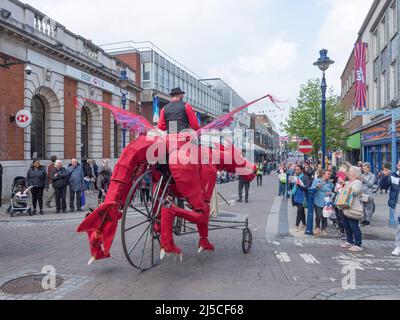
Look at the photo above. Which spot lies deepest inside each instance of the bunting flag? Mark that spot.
(156, 109)
(227, 119)
(360, 56)
(128, 120)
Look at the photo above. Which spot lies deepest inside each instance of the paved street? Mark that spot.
(282, 264)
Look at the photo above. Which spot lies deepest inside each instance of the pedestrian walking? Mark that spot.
(76, 185)
(282, 180)
(260, 175)
(52, 191)
(299, 195)
(246, 185)
(104, 179)
(289, 180)
(324, 188)
(368, 179)
(1, 182)
(351, 225)
(37, 179)
(392, 182)
(59, 175)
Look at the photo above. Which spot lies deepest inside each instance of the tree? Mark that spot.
(305, 121)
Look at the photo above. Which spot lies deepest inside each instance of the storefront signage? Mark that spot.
(378, 132)
(23, 119)
(87, 78)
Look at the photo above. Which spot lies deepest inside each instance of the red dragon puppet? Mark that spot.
(194, 175)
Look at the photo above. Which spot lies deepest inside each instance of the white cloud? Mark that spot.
(278, 57)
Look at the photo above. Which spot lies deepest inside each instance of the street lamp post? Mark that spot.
(124, 81)
(323, 64)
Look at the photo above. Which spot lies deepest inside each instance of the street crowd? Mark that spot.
(356, 184)
(56, 179)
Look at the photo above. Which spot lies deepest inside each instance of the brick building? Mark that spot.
(63, 65)
(353, 124)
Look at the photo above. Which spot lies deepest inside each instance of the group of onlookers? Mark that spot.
(295, 182)
(78, 178)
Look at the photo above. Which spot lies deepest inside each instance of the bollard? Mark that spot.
(310, 216)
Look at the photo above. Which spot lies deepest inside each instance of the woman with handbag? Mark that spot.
(353, 214)
(299, 195)
(324, 188)
(282, 180)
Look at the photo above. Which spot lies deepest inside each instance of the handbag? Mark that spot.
(354, 214)
(283, 178)
(345, 197)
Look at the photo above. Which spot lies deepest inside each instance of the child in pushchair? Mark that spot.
(19, 202)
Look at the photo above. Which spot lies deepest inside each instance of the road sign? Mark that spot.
(305, 146)
(23, 119)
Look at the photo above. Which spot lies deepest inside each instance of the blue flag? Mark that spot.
(156, 109)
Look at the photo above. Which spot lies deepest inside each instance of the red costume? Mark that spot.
(194, 182)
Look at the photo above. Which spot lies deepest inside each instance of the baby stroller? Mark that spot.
(19, 202)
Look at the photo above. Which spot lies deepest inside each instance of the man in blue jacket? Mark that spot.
(392, 181)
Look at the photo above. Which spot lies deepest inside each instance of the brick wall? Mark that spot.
(106, 127)
(349, 99)
(70, 91)
(133, 61)
(11, 101)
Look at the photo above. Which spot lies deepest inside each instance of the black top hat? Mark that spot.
(176, 91)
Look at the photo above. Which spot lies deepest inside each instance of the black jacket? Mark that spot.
(59, 177)
(87, 169)
(37, 178)
(386, 183)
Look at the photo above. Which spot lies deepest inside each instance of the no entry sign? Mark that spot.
(23, 119)
(305, 146)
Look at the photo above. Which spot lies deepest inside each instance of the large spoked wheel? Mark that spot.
(140, 241)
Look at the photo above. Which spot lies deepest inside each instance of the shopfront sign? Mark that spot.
(23, 119)
(379, 132)
(89, 79)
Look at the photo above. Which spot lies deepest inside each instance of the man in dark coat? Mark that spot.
(392, 181)
(177, 115)
(59, 176)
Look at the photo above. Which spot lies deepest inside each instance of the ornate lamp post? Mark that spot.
(124, 82)
(323, 64)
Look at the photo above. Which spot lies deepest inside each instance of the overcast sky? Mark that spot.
(256, 46)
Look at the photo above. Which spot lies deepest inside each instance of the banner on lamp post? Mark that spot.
(156, 109)
(360, 56)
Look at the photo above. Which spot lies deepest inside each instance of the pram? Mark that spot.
(19, 202)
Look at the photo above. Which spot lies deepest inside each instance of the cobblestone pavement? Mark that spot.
(282, 264)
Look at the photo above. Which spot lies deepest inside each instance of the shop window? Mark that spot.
(38, 134)
(84, 134)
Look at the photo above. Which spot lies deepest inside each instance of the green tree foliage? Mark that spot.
(306, 119)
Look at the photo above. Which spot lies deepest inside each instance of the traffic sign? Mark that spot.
(23, 119)
(305, 146)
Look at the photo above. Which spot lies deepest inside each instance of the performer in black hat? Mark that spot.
(178, 112)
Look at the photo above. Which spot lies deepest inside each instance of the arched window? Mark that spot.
(84, 134)
(38, 134)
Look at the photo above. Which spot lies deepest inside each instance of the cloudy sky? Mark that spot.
(256, 46)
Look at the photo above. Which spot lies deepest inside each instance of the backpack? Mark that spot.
(283, 178)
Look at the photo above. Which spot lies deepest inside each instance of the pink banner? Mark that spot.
(360, 56)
